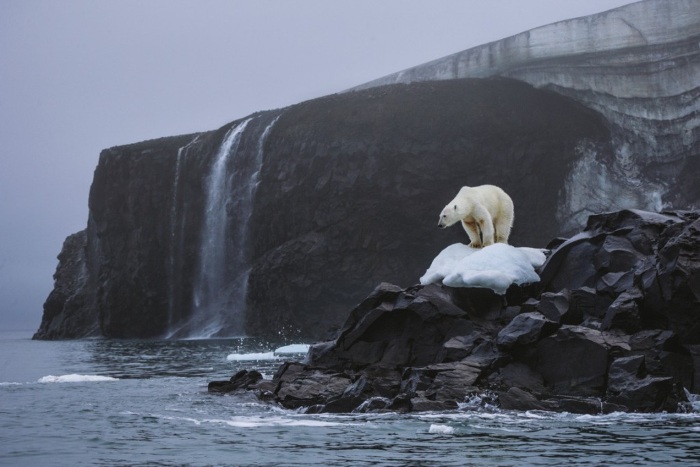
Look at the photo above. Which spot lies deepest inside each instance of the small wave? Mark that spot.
(75, 378)
(436, 429)
(10, 384)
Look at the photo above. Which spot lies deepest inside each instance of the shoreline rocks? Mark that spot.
(613, 325)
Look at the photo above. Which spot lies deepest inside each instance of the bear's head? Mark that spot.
(450, 215)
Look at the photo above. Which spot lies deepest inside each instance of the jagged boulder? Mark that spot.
(639, 269)
(241, 380)
(413, 327)
(524, 329)
(574, 361)
(630, 386)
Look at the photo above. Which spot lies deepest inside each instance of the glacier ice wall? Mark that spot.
(639, 66)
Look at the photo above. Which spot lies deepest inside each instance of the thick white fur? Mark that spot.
(486, 213)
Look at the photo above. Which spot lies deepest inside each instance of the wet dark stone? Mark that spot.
(518, 399)
(556, 307)
(630, 387)
(244, 379)
(527, 328)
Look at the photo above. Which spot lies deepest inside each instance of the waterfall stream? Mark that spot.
(219, 285)
(210, 295)
(241, 229)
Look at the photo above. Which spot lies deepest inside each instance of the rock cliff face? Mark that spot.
(613, 325)
(321, 201)
(69, 311)
(280, 222)
(352, 198)
(639, 66)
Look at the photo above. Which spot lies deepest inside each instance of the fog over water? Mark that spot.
(78, 76)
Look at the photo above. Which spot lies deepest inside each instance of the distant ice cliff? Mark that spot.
(639, 66)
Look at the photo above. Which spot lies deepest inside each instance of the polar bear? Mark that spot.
(486, 213)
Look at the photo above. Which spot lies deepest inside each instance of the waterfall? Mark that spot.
(211, 285)
(242, 259)
(219, 283)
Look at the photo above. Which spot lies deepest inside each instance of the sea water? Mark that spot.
(124, 402)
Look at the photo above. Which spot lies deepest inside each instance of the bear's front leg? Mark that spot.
(472, 229)
(485, 224)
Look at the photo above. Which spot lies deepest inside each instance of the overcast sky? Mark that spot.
(78, 76)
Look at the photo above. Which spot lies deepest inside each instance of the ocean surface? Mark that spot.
(123, 402)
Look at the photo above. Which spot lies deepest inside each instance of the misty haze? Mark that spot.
(387, 232)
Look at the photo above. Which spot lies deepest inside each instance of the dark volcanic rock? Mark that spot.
(622, 346)
(644, 268)
(415, 327)
(629, 386)
(574, 361)
(69, 311)
(524, 329)
(241, 380)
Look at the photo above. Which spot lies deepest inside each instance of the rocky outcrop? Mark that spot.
(613, 325)
(68, 311)
(638, 66)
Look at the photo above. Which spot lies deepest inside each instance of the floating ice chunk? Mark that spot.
(436, 429)
(292, 349)
(74, 378)
(246, 357)
(494, 267)
(272, 355)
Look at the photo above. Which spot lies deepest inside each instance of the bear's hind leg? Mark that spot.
(502, 229)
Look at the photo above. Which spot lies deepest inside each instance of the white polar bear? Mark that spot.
(486, 213)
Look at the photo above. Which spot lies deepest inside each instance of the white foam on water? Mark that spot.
(251, 421)
(248, 357)
(256, 422)
(292, 349)
(694, 400)
(437, 429)
(10, 384)
(75, 378)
